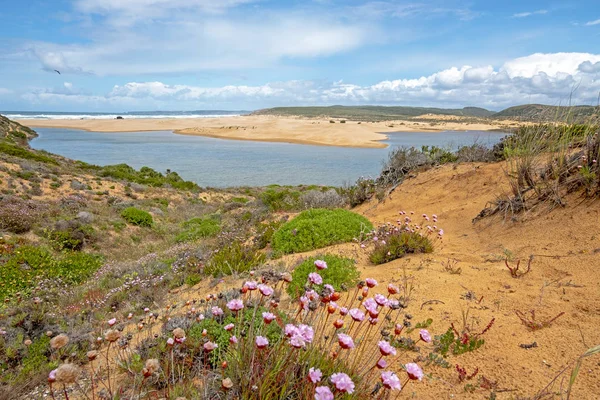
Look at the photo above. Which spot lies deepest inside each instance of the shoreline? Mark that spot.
(308, 131)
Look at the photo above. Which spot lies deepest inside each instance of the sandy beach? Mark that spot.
(276, 129)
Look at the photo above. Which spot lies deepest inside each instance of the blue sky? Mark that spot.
(121, 55)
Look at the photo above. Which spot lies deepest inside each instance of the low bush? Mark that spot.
(198, 228)
(233, 259)
(317, 228)
(147, 176)
(398, 244)
(341, 273)
(322, 199)
(280, 199)
(137, 217)
(265, 231)
(18, 215)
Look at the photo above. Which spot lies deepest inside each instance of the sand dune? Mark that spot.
(273, 129)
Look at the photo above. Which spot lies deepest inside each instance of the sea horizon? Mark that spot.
(126, 114)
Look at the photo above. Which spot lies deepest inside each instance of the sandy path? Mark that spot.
(271, 129)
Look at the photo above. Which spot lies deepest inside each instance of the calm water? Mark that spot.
(222, 163)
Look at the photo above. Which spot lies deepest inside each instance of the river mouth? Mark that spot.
(222, 163)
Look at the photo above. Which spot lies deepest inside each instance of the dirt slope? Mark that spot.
(564, 278)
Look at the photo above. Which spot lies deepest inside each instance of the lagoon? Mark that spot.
(214, 162)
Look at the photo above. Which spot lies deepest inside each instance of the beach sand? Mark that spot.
(275, 129)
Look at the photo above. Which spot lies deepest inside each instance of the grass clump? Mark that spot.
(280, 199)
(397, 245)
(137, 217)
(341, 273)
(234, 259)
(198, 228)
(317, 228)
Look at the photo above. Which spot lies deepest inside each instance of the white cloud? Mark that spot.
(212, 43)
(539, 78)
(530, 13)
(4, 91)
(591, 23)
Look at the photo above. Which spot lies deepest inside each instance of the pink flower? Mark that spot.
(304, 302)
(414, 371)
(381, 364)
(52, 376)
(210, 346)
(290, 330)
(342, 382)
(345, 341)
(371, 282)
(111, 322)
(393, 304)
(268, 317)
(233, 340)
(146, 310)
(234, 305)
(315, 278)
(250, 285)
(386, 348)
(320, 264)
(265, 290)
(314, 375)
(357, 315)
(425, 336)
(329, 288)
(229, 327)
(297, 341)
(373, 321)
(393, 289)
(306, 332)
(216, 311)
(323, 393)
(441, 232)
(375, 238)
(381, 299)
(370, 304)
(390, 380)
(262, 342)
(170, 341)
(343, 311)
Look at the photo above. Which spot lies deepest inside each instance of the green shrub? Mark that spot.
(20, 152)
(281, 199)
(198, 228)
(18, 215)
(317, 228)
(193, 279)
(264, 232)
(340, 272)
(399, 244)
(147, 176)
(233, 259)
(138, 217)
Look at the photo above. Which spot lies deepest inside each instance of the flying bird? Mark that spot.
(57, 71)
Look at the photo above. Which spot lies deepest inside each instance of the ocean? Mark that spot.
(129, 114)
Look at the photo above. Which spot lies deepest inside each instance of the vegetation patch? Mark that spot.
(137, 217)
(233, 259)
(147, 176)
(21, 152)
(341, 273)
(199, 228)
(399, 244)
(317, 228)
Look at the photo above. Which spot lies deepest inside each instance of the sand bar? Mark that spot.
(272, 128)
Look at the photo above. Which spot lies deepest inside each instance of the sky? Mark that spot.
(128, 55)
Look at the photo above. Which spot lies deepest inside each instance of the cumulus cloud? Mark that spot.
(539, 78)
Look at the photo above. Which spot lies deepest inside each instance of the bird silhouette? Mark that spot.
(57, 71)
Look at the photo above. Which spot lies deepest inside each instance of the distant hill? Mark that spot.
(372, 113)
(543, 113)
